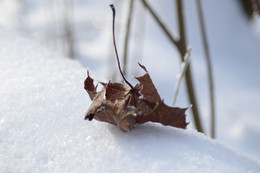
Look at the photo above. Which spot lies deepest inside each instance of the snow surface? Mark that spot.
(42, 128)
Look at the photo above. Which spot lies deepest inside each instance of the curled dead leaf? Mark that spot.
(89, 87)
(125, 107)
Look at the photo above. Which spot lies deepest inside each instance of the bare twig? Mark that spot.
(114, 42)
(163, 27)
(129, 19)
(209, 68)
(181, 27)
(181, 46)
(188, 77)
(184, 67)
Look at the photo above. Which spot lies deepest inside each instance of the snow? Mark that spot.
(43, 103)
(42, 128)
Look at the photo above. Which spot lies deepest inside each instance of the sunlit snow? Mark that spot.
(42, 128)
(42, 100)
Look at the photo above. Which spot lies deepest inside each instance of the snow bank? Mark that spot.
(42, 128)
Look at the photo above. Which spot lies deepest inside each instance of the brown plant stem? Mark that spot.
(163, 27)
(114, 42)
(188, 76)
(181, 46)
(209, 68)
(128, 25)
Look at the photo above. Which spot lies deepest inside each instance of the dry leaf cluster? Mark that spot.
(125, 107)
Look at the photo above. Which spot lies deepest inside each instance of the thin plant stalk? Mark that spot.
(162, 26)
(181, 46)
(184, 67)
(68, 28)
(138, 36)
(116, 52)
(188, 76)
(209, 68)
(127, 35)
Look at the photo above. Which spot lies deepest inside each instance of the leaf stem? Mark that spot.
(114, 41)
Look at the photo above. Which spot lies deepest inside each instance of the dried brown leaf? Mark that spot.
(116, 91)
(89, 87)
(110, 105)
(165, 115)
(124, 107)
